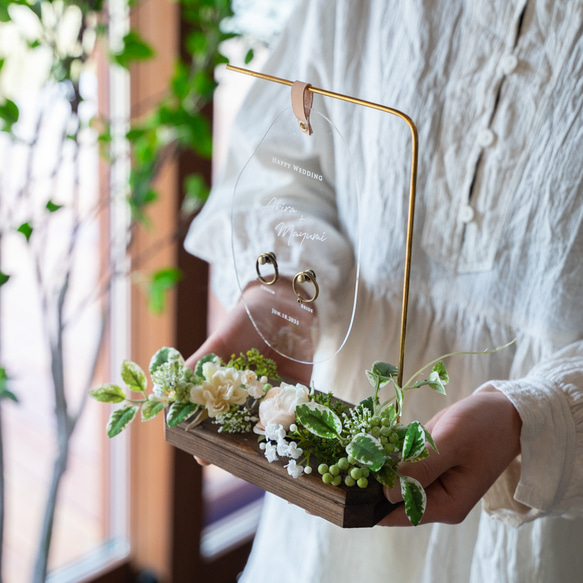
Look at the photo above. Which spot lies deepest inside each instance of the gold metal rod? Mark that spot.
(412, 187)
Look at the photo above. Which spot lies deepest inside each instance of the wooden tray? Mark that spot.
(240, 455)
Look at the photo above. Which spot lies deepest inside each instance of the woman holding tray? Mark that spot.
(495, 91)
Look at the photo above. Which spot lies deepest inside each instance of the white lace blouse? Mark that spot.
(495, 88)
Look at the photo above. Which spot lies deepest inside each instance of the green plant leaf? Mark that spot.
(319, 420)
(9, 114)
(52, 207)
(206, 358)
(161, 282)
(162, 356)
(26, 230)
(133, 376)
(390, 413)
(399, 403)
(381, 373)
(196, 193)
(120, 419)
(367, 403)
(108, 393)
(4, 392)
(386, 476)
(3, 278)
(150, 409)
(436, 380)
(368, 450)
(135, 48)
(179, 412)
(414, 498)
(414, 442)
(249, 56)
(429, 439)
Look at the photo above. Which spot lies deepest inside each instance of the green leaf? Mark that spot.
(414, 442)
(108, 393)
(26, 230)
(367, 403)
(381, 373)
(249, 56)
(4, 392)
(319, 420)
(161, 282)
(120, 419)
(368, 450)
(52, 207)
(3, 278)
(164, 355)
(399, 403)
(196, 193)
(206, 358)
(179, 412)
(386, 476)
(134, 49)
(390, 413)
(150, 409)
(437, 379)
(429, 439)
(9, 114)
(133, 376)
(414, 498)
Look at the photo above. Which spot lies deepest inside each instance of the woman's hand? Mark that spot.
(477, 439)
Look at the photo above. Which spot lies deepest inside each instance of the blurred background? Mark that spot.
(113, 118)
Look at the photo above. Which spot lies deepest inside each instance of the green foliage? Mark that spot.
(367, 450)
(255, 361)
(319, 420)
(26, 229)
(414, 442)
(3, 278)
(133, 376)
(120, 419)
(163, 356)
(53, 207)
(9, 115)
(161, 282)
(5, 393)
(135, 48)
(108, 393)
(179, 412)
(150, 409)
(414, 498)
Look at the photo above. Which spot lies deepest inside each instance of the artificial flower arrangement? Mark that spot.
(311, 431)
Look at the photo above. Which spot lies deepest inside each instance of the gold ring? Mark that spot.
(262, 260)
(303, 277)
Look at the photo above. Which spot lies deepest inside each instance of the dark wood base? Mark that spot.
(240, 455)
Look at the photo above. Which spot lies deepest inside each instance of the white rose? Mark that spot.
(279, 405)
(221, 389)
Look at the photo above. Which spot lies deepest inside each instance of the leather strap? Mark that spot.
(302, 104)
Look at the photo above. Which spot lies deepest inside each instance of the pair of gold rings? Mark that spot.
(299, 279)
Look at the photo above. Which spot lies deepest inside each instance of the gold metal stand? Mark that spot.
(412, 187)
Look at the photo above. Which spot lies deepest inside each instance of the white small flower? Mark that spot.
(293, 427)
(283, 448)
(275, 432)
(262, 445)
(308, 470)
(294, 470)
(271, 452)
(294, 451)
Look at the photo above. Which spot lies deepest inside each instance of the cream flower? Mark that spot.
(221, 389)
(253, 385)
(279, 405)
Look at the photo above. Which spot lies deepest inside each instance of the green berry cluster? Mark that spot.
(345, 469)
